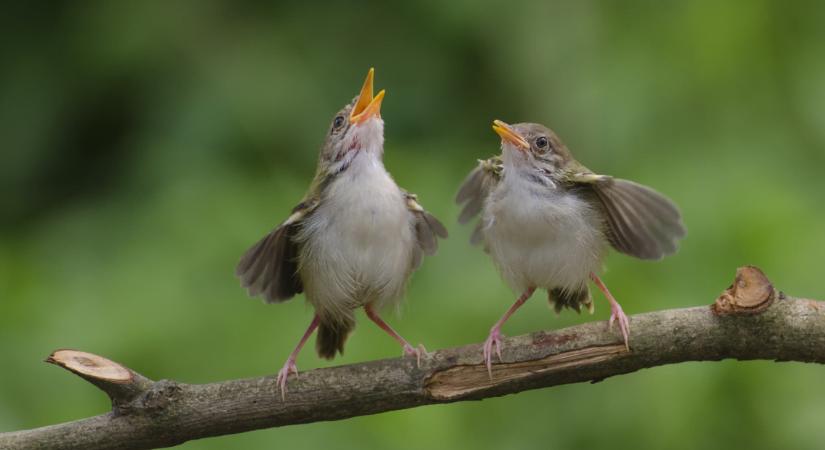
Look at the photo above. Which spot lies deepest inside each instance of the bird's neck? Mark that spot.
(364, 190)
(365, 165)
(365, 141)
(528, 177)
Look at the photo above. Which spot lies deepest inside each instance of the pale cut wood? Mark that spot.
(90, 365)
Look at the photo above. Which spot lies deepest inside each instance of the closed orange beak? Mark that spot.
(509, 135)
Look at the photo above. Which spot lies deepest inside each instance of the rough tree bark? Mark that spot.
(750, 320)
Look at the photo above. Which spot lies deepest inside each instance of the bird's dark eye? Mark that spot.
(338, 122)
(541, 142)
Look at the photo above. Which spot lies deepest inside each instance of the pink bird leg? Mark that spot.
(409, 350)
(289, 365)
(494, 338)
(616, 312)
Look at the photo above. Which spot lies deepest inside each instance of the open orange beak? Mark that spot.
(509, 135)
(367, 106)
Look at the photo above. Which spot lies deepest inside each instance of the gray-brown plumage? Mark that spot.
(352, 242)
(547, 220)
(640, 221)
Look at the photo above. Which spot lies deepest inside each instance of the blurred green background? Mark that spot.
(146, 145)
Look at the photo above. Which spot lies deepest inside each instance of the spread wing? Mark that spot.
(475, 189)
(427, 229)
(270, 267)
(640, 221)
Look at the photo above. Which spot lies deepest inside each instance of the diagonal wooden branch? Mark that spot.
(748, 321)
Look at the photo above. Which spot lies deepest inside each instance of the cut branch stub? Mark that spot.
(90, 365)
(121, 384)
(750, 293)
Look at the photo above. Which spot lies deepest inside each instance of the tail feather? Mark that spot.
(332, 336)
(561, 298)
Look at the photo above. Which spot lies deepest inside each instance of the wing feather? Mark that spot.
(474, 192)
(641, 222)
(270, 267)
(427, 229)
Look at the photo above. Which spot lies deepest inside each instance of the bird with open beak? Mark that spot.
(352, 242)
(547, 221)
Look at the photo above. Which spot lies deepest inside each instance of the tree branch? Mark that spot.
(748, 321)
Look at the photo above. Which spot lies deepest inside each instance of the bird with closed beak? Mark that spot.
(352, 242)
(547, 221)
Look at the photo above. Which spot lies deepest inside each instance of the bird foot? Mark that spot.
(283, 374)
(418, 352)
(617, 315)
(494, 339)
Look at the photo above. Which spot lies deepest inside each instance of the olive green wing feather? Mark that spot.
(475, 189)
(270, 267)
(640, 221)
(427, 229)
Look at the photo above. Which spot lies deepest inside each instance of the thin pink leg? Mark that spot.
(290, 366)
(494, 338)
(616, 312)
(409, 350)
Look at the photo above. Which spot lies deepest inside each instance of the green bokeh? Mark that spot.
(145, 145)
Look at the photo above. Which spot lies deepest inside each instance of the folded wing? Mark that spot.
(427, 229)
